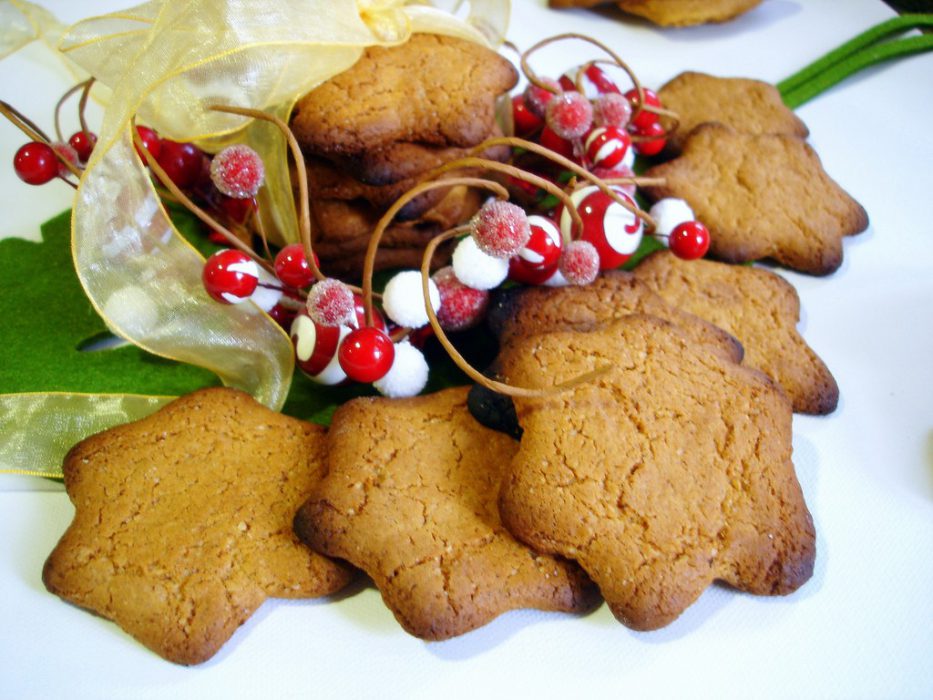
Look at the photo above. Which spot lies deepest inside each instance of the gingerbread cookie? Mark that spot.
(669, 472)
(672, 13)
(182, 523)
(523, 311)
(432, 89)
(410, 498)
(759, 308)
(762, 196)
(749, 106)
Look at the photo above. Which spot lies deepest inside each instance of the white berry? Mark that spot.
(669, 213)
(476, 269)
(408, 374)
(403, 299)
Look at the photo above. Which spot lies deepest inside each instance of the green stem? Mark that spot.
(857, 53)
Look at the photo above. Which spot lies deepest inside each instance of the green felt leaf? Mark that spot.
(47, 318)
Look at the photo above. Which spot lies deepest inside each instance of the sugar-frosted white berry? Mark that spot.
(669, 213)
(403, 299)
(476, 269)
(408, 374)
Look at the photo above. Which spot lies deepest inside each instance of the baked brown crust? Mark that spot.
(762, 196)
(748, 106)
(670, 471)
(182, 523)
(683, 13)
(613, 295)
(759, 308)
(410, 498)
(434, 90)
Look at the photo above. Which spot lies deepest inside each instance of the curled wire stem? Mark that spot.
(185, 201)
(459, 360)
(577, 170)
(85, 88)
(304, 213)
(537, 181)
(369, 261)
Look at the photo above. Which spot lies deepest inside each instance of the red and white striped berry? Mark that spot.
(608, 147)
(230, 276)
(237, 171)
(593, 79)
(614, 230)
(536, 262)
(569, 115)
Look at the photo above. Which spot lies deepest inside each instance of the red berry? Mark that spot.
(366, 354)
(524, 121)
(65, 153)
(150, 140)
(292, 268)
(181, 162)
(233, 209)
(592, 79)
(537, 98)
(237, 171)
(35, 163)
(500, 228)
(612, 109)
(537, 261)
(643, 117)
(689, 240)
(613, 230)
(550, 140)
(619, 171)
(330, 303)
(462, 307)
(83, 143)
(651, 147)
(569, 115)
(607, 147)
(579, 263)
(230, 276)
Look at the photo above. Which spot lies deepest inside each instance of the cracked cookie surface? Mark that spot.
(410, 498)
(182, 523)
(670, 471)
(759, 308)
(762, 196)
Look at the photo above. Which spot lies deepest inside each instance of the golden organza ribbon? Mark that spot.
(167, 62)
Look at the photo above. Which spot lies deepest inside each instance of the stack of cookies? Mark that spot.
(372, 132)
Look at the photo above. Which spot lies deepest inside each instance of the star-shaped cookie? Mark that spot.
(183, 522)
(670, 471)
(762, 196)
(759, 308)
(410, 498)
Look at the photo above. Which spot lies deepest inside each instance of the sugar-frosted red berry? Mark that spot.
(237, 171)
(537, 98)
(461, 307)
(579, 263)
(500, 228)
(330, 303)
(35, 163)
(523, 119)
(182, 162)
(83, 143)
(612, 109)
(642, 117)
(366, 354)
(613, 230)
(651, 146)
(689, 240)
(569, 115)
(230, 276)
(561, 146)
(607, 147)
(292, 268)
(150, 140)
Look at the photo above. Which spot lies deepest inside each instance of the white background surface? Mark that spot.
(862, 627)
